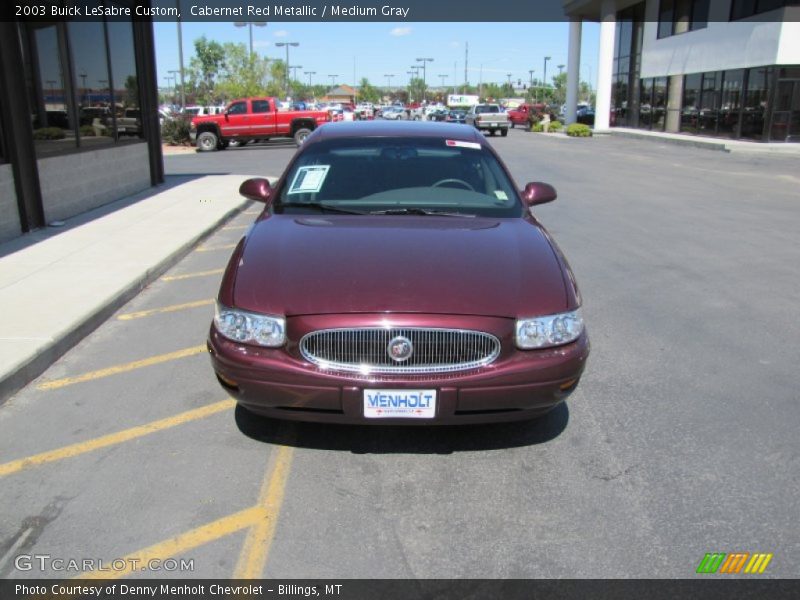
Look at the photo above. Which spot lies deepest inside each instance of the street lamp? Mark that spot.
(295, 67)
(442, 77)
(83, 77)
(51, 83)
(509, 79)
(250, 27)
(333, 79)
(544, 79)
(424, 62)
(309, 73)
(286, 45)
(388, 79)
(560, 69)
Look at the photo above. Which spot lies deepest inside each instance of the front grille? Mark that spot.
(365, 350)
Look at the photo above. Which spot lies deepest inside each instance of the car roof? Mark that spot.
(405, 129)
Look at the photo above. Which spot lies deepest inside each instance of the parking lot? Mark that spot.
(681, 439)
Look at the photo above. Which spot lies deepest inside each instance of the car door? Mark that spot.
(263, 118)
(237, 120)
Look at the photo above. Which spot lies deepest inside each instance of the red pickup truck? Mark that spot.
(253, 119)
(519, 115)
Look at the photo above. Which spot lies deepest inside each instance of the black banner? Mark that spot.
(401, 589)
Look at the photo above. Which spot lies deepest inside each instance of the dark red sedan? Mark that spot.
(397, 276)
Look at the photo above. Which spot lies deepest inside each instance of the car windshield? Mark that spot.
(487, 108)
(374, 174)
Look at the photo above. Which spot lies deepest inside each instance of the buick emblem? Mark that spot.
(400, 349)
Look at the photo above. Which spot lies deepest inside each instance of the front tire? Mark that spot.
(207, 141)
(300, 135)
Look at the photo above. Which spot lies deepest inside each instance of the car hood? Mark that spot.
(295, 265)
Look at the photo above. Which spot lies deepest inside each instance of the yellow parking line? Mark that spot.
(178, 544)
(261, 518)
(164, 309)
(190, 275)
(123, 368)
(256, 546)
(115, 438)
(212, 248)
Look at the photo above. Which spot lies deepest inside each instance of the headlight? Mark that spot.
(250, 328)
(552, 330)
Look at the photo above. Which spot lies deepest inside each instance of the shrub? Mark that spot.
(556, 125)
(175, 131)
(579, 130)
(49, 133)
(537, 127)
(87, 131)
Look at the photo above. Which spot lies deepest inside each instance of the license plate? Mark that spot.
(403, 404)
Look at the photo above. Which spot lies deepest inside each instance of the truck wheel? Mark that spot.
(223, 145)
(236, 143)
(504, 132)
(207, 141)
(491, 132)
(300, 135)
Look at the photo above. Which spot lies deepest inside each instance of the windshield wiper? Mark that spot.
(419, 211)
(319, 206)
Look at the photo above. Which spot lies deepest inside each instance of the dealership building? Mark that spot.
(78, 118)
(722, 68)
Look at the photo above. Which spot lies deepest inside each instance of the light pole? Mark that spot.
(250, 27)
(333, 79)
(442, 77)
(388, 79)
(286, 45)
(104, 83)
(509, 79)
(424, 62)
(560, 69)
(544, 78)
(51, 83)
(309, 73)
(83, 77)
(295, 67)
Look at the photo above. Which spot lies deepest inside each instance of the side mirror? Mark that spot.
(538, 192)
(257, 189)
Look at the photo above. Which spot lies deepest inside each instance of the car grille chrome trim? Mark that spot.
(364, 349)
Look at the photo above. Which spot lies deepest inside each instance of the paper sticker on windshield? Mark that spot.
(460, 144)
(501, 195)
(309, 180)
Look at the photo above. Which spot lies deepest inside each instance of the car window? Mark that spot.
(370, 174)
(260, 106)
(237, 108)
(487, 108)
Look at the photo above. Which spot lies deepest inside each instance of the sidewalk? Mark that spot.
(711, 143)
(58, 284)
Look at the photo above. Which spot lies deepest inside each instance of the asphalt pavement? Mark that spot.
(680, 440)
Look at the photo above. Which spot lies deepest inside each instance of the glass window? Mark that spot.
(625, 37)
(659, 103)
(699, 14)
(260, 106)
(127, 102)
(52, 117)
(755, 103)
(731, 102)
(690, 107)
(92, 85)
(237, 108)
(666, 15)
(709, 103)
(741, 9)
(646, 103)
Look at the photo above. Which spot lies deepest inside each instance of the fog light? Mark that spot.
(567, 384)
(227, 382)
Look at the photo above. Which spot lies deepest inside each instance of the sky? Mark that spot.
(373, 50)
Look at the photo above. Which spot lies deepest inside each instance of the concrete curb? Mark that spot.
(24, 373)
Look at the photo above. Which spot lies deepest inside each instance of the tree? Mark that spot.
(367, 92)
(246, 74)
(131, 91)
(205, 67)
(416, 90)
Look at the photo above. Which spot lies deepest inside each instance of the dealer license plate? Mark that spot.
(403, 404)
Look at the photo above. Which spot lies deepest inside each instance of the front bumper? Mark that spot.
(281, 384)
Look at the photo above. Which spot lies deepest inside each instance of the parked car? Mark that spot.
(521, 114)
(394, 113)
(585, 115)
(397, 275)
(253, 119)
(488, 117)
(130, 122)
(457, 116)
